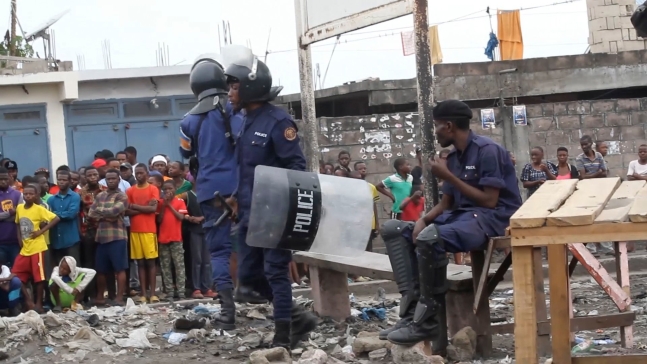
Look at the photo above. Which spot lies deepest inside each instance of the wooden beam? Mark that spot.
(548, 198)
(617, 209)
(622, 275)
(585, 204)
(585, 323)
(610, 359)
(595, 233)
(543, 340)
(525, 331)
(600, 275)
(559, 305)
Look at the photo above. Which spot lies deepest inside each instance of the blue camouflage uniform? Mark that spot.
(269, 138)
(468, 227)
(217, 172)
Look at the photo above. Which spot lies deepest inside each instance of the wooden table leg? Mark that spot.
(330, 293)
(622, 276)
(525, 319)
(483, 334)
(559, 306)
(543, 341)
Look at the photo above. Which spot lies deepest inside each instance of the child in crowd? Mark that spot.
(200, 256)
(330, 168)
(68, 283)
(638, 168)
(399, 186)
(156, 180)
(143, 199)
(341, 172)
(172, 211)
(344, 160)
(10, 287)
(30, 263)
(413, 206)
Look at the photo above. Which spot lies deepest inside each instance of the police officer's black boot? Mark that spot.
(282, 334)
(432, 265)
(226, 319)
(404, 263)
(248, 295)
(302, 323)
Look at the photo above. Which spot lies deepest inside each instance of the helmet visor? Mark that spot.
(237, 55)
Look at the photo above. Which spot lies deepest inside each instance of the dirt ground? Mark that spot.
(255, 327)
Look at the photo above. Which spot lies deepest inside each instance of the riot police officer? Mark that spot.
(208, 137)
(269, 137)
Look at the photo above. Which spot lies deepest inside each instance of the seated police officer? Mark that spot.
(207, 137)
(480, 194)
(269, 138)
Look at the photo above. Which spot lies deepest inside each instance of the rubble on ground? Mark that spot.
(149, 334)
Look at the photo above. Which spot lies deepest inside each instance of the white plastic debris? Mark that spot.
(87, 340)
(33, 319)
(107, 351)
(176, 338)
(136, 339)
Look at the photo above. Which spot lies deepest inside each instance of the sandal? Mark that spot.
(154, 299)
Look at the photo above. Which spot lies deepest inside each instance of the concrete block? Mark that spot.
(632, 34)
(627, 158)
(602, 106)
(549, 109)
(448, 69)
(560, 109)
(625, 34)
(609, 133)
(560, 62)
(579, 133)
(537, 138)
(629, 57)
(533, 111)
(634, 45)
(568, 122)
(638, 117)
(582, 61)
(613, 161)
(599, 24)
(627, 146)
(616, 21)
(600, 48)
(593, 121)
(643, 103)
(542, 124)
(632, 132)
(628, 104)
(579, 107)
(617, 119)
(610, 35)
(557, 137)
(607, 10)
(613, 47)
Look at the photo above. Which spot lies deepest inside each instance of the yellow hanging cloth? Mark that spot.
(509, 34)
(434, 46)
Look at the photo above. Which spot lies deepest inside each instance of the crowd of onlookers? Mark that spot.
(100, 234)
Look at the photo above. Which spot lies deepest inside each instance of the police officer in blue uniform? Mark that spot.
(207, 136)
(269, 137)
(480, 194)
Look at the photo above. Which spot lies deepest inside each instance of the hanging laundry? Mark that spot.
(509, 34)
(408, 43)
(434, 45)
(491, 45)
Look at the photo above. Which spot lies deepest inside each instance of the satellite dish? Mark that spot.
(40, 31)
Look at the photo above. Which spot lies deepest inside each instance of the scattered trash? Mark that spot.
(93, 320)
(49, 350)
(583, 347)
(136, 339)
(87, 340)
(367, 313)
(176, 338)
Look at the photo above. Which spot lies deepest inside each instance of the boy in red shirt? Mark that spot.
(172, 212)
(413, 206)
(142, 207)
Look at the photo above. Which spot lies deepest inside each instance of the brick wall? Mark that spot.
(610, 28)
(619, 122)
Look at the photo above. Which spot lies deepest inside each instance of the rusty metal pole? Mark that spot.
(425, 95)
(308, 115)
(14, 20)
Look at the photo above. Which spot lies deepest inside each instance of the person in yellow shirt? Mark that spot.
(33, 221)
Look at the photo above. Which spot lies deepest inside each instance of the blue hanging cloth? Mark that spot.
(491, 45)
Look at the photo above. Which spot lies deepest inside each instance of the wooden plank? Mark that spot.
(638, 211)
(586, 203)
(617, 209)
(610, 359)
(525, 330)
(622, 273)
(330, 293)
(548, 198)
(584, 323)
(543, 340)
(482, 280)
(559, 305)
(482, 315)
(601, 276)
(561, 235)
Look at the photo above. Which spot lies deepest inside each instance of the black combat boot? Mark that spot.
(282, 334)
(248, 295)
(302, 323)
(432, 265)
(226, 319)
(402, 255)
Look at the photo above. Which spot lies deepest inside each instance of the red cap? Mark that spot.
(99, 163)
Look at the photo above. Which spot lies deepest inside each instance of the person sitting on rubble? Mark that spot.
(10, 287)
(480, 194)
(68, 283)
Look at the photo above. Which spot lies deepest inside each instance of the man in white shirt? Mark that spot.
(638, 168)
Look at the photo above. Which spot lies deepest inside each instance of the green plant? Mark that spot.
(23, 49)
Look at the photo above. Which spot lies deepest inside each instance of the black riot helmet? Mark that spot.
(252, 74)
(639, 20)
(207, 78)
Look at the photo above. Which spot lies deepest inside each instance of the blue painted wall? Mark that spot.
(114, 124)
(23, 137)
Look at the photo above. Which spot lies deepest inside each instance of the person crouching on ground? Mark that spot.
(68, 283)
(10, 287)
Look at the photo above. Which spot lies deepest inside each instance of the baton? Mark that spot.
(221, 202)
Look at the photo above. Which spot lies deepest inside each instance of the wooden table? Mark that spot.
(570, 212)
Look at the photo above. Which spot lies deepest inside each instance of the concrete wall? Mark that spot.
(134, 88)
(610, 28)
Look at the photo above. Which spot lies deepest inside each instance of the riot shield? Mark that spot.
(306, 211)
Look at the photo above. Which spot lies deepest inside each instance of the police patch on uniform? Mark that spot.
(290, 134)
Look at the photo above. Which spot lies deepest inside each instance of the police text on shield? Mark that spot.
(305, 206)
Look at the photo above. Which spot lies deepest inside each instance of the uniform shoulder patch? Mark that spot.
(290, 133)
